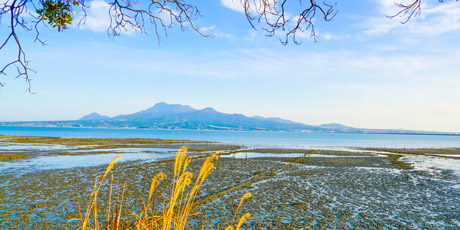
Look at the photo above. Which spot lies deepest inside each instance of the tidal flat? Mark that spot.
(291, 188)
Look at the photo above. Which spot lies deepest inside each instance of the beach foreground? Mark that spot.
(44, 179)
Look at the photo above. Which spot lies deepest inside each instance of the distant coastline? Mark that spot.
(38, 124)
(164, 116)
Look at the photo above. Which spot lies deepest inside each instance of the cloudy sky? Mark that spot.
(365, 70)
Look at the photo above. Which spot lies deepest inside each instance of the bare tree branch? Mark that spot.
(273, 16)
(125, 16)
(135, 15)
(15, 10)
(409, 10)
(131, 15)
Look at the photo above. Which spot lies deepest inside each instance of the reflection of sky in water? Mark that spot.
(127, 150)
(258, 155)
(431, 164)
(73, 161)
(250, 139)
(21, 146)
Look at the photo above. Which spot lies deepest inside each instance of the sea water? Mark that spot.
(252, 138)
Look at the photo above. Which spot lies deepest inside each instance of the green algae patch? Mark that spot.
(213, 147)
(8, 157)
(91, 141)
(273, 150)
(395, 160)
(438, 152)
(67, 154)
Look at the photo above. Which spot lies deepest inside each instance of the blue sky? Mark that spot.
(365, 70)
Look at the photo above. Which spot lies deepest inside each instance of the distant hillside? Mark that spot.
(176, 116)
(94, 116)
(335, 126)
(159, 110)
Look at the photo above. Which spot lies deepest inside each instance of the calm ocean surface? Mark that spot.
(251, 139)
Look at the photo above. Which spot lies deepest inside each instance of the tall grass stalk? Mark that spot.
(177, 207)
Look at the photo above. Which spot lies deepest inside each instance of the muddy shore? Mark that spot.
(291, 188)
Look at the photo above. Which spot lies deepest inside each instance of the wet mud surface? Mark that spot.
(292, 189)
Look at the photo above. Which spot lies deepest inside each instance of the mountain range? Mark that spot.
(175, 116)
(172, 116)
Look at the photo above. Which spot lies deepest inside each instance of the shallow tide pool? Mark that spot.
(242, 155)
(432, 164)
(74, 161)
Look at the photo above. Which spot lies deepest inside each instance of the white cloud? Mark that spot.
(330, 36)
(435, 19)
(166, 17)
(322, 35)
(215, 32)
(438, 20)
(235, 5)
(98, 18)
(206, 30)
(380, 26)
(254, 5)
